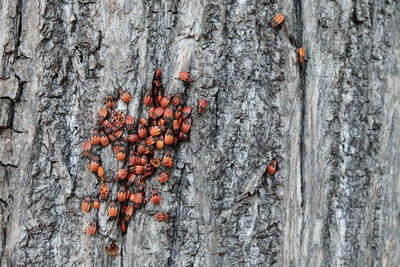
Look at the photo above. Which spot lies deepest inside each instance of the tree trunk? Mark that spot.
(331, 123)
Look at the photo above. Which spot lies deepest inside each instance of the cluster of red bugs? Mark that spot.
(277, 20)
(135, 142)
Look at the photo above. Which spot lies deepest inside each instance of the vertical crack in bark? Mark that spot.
(171, 261)
(18, 28)
(299, 30)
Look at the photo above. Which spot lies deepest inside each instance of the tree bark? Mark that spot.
(331, 122)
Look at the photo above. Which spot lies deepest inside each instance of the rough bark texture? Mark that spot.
(333, 124)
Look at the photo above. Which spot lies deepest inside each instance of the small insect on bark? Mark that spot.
(104, 190)
(121, 155)
(272, 167)
(278, 19)
(92, 228)
(94, 137)
(112, 250)
(184, 76)
(155, 196)
(96, 203)
(163, 177)
(129, 122)
(122, 194)
(203, 104)
(110, 102)
(94, 164)
(86, 204)
(162, 216)
(302, 54)
(112, 210)
(148, 98)
(168, 161)
(125, 96)
(86, 148)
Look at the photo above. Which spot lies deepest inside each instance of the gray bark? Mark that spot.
(332, 123)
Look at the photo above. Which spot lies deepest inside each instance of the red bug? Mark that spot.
(105, 123)
(158, 112)
(96, 203)
(141, 149)
(143, 160)
(144, 122)
(169, 137)
(125, 96)
(111, 250)
(131, 179)
(176, 140)
(278, 19)
(159, 97)
(155, 162)
(184, 76)
(149, 170)
(178, 113)
(168, 114)
(186, 112)
(104, 190)
(110, 102)
(302, 54)
(128, 213)
(176, 125)
(163, 177)
(142, 131)
(156, 130)
(121, 155)
(102, 114)
(155, 196)
(129, 122)
(157, 83)
(148, 98)
(160, 142)
(162, 122)
(151, 140)
(86, 204)
(168, 161)
(134, 158)
(141, 186)
(165, 101)
(86, 146)
(101, 173)
(177, 99)
(203, 104)
(162, 216)
(94, 137)
(116, 146)
(131, 138)
(94, 164)
(121, 174)
(112, 210)
(151, 112)
(186, 125)
(138, 169)
(272, 167)
(92, 228)
(137, 199)
(122, 194)
(118, 118)
(182, 136)
(157, 75)
(115, 135)
(124, 227)
(103, 139)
